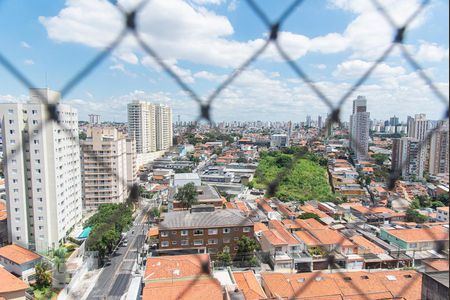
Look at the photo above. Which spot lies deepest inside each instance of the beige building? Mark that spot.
(150, 125)
(108, 166)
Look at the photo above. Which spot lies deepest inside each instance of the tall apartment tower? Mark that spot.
(308, 121)
(408, 157)
(106, 166)
(164, 130)
(150, 125)
(439, 148)
(359, 128)
(42, 171)
(418, 127)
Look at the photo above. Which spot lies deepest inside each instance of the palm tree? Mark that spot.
(43, 276)
(59, 257)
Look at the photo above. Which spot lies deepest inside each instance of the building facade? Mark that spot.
(439, 148)
(150, 125)
(203, 231)
(359, 128)
(108, 169)
(279, 141)
(42, 171)
(408, 157)
(418, 127)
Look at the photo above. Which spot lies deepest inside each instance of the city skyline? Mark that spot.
(335, 57)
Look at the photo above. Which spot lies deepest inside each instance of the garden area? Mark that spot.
(107, 226)
(307, 179)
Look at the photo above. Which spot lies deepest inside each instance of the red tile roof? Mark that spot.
(201, 289)
(18, 254)
(10, 283)
(250, 286)
(437, 233)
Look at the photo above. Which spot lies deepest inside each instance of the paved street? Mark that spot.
(114, 280)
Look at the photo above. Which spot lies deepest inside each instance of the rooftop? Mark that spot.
(10, 283)
(217, 218)
(348, 285)
(248, 283)
(437, 233)
(176, 267)
(201, 289)
(18, 254)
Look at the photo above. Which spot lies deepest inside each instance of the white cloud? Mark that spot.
(210, 76)
(185, 74)
(13, 99)
(320, 66)
(121, 68)
(203, 2)
(431, 52)
(28, 62)
(24, 44)
(233, 5)
(356, 68)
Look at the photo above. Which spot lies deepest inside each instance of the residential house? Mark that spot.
(249, 285)
(348, 285)
(442, 214)
(11, 287)
(418, 239)
(19, 261)
(181, 277)
(203, 229)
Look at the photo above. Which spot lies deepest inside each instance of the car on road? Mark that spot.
(125, 243)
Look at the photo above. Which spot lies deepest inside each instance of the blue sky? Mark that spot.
(203, 40)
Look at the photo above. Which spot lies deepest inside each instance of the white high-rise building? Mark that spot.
(163, 128)
(418, 127)
(150, 125)
(107, 169)
(42, 171)
(359, 128)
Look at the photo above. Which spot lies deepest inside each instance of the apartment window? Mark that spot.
(41, 227)
(16, 209)
(40, 218)
(38, 161)
(14, 180)
(12, 131)
(174, 242)
(164, 244)
(174, 233)
(236, 238)
(17, 228)
(36, 142)
(164, 234)
(15, 190)
(18, 238)
(212, 231)
(184, 232)
(11, 121)
(12, 142)
(198, 232)
(247, 229)
(35, 122)
(213, 242)
(10, 111)
(38, 190)
(34, 112)
(226, 230)
(198, 242)
(413, 245)
(226, 240)
(236, 229)
(184, 243)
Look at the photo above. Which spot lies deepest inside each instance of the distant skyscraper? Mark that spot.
(359, 128)
(319, 122)
(394, 121)
(150, 125)
(439, 149)
(418, 127)
(308, 121)
(408, 157)
(42, 171)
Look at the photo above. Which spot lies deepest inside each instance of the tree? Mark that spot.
(43, 276)
(380, 158)
(225, 257)
(59, 257)
(187, 195)
(82, 136)
(246, 248)
(413, 215)
(308, 215)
